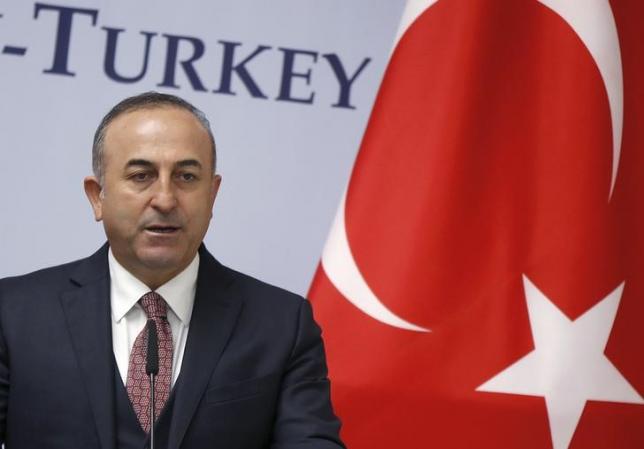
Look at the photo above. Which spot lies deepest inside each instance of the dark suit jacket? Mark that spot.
(253, 373)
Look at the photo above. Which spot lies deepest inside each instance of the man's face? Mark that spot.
(158, 192)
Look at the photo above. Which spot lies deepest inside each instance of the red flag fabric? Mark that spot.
(483, 283)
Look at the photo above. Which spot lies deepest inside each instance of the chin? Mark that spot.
(162, 259)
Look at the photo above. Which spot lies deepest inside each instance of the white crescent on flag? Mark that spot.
(413, 9)
(343, 272)
(594, 23)
(337, 259)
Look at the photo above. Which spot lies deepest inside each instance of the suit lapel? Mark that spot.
(214, 315)
(87, 310)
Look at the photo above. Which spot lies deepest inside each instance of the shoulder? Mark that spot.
(265, 301)
(49, 281)
(34, 295)
(273, 312)
(252, 291)
(252, 287)
(31, 284)
(270, 316)
(40, 277)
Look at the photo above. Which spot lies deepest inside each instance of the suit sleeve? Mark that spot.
(305, 418)
(4, 380)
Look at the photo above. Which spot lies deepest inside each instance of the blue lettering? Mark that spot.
(228, 67)
(63, 34)
(288, 74)
(344, 81)
(109, 64)
(171, 62)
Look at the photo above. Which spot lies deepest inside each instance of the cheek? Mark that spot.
(199, 213)
(120, 213)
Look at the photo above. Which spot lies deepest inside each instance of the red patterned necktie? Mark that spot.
(138, 383)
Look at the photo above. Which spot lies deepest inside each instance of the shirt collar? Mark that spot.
(178, 292)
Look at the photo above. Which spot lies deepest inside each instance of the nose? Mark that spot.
(164, 197)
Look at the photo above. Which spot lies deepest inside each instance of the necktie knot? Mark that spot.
(153, 305)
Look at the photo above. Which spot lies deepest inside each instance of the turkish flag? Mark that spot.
(483, 282)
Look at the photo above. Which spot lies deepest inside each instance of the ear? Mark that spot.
(216, 182)
(214, 189)
(93, 191)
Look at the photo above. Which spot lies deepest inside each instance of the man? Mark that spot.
(241, 363)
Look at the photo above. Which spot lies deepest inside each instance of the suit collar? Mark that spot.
(87, 312)
(214, 316)
(92, 269)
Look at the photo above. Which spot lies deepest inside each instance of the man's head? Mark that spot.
(145, 100)
(154, 183)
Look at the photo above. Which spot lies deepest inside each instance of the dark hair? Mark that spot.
(146, 100)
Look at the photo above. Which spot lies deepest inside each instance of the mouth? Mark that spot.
(162, 229)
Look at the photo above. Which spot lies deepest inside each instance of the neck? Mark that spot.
(152, 276)
(156, 277)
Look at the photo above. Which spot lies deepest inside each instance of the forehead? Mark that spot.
(157, 133)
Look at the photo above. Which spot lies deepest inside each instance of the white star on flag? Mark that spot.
(568, 366)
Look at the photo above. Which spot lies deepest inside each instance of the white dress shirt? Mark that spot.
(129, 319)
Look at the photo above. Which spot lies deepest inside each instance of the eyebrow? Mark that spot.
(189, 163)
(146, 163)
(138, 162)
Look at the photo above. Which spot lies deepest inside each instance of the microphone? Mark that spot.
(152, 362)
(152, 369)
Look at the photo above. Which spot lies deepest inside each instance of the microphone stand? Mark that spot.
(152, 369)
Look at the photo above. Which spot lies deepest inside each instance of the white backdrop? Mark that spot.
(284, 163)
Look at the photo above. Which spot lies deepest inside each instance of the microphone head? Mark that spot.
(152, 360)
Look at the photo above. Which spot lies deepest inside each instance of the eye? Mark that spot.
(187, 177)
(140, 177)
